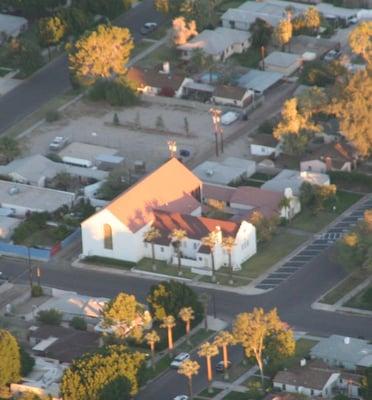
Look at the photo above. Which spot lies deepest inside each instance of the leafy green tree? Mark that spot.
(311, 19)
(78, 323)
(312, 101)
(27, 362)
(366, 389)
(211, 241)
(321, 73)
(10, 365)
(102, 53)
(117, 181)
(75, 19)
(9, 149)
(152, 338)
(254, 330)
(352, 107)
(27, 57)
(117, 389)
(162, 6)
(169, 297)
(126, 315)
(87, 376)
(34, 8)
(265, 227)
(50, 317)
(283, 32)
(186, 314)
(51, 31)
(188, 369)
(177, 236)
(108, 8)
(261, 32)
(169, 322)
(201, 11)
(150, 236)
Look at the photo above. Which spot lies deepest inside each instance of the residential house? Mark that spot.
(154, 82)
(288, 178)
(265, 146)
(219, 43)
(310, 379)
(232, 96)
(339, 351)
(336, 156)
(244, 200)
(168, 198)
(310, 48)
(231, 169)
(193, 252)
(11, 26)
(260, 81)
(283, 63)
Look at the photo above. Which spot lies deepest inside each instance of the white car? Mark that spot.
(179, 360)
(58, 143)
(148, 27)
(181, 397)
(229, 117)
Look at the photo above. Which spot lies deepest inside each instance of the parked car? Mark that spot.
(332, 55)
(58, 143)
(181, 397)
(3, 277)
(229, 117)
(177, 361)
(148, 27)
(220, 367)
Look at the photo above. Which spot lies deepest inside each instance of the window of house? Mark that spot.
(145, 245)
(195, 245)
(312, 392)
(107, 236)
(200, 258)
(162, 249)
(283, 386)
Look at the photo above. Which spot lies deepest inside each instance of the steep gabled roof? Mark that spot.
(195, 227)
(168, 187)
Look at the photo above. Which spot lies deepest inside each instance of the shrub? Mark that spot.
(78, 323)
(115, 119)
(27, 362)
(54, 157)
(50, 317)
(116, 92)
(32, 223)
(267, 126)
(37, 291)
(52, 115)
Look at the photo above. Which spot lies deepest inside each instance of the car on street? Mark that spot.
(332, 55)
(220, 367)
(229, 117)
(58, 143)
(148, 27)
(178, 360)
(181, 397)
(3, 277)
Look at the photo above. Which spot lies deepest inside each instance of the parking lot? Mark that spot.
(316, 247)
(143, 131)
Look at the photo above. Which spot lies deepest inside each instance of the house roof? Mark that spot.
(11, 24)
(281, 59)
(265, 140)
(215, 42)
(259, 81)
(169, 188)
(195, 227)
(302, 43)
(256, 197)
(337, 151)
(150, 77)
(312, 376)
(230, 92)
(344, 350)
(218, 192)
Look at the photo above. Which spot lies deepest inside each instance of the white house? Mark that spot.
(265, 146)
(220, 43)
(167, 198)
(232, 96)
(11, 26)
(283, 63)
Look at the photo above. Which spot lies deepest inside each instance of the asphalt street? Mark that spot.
(53, 79)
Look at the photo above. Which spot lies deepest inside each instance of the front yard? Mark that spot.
(310, 222)
(362, 300)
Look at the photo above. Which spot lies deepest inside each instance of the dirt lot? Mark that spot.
(140, 136)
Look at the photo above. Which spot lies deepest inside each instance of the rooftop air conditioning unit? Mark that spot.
(346, 340)
(209, 172)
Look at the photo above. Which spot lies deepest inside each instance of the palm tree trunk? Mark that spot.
(225, 362)
(260, 366)
(213, 268)
(190, 387)
(179, 261)
(153, 356)
(216, 138)
(209, 374)
(230, 269)
(153, 256)
(170, 339)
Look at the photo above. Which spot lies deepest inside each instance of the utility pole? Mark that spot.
(218, 132)
(263, 57)
(38, 274)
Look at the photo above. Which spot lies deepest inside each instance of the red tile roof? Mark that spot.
(150, 77)
(195, 227)
(256, 197)
(169, 188)
(216, 192)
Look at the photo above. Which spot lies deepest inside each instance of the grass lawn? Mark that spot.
(343, 288)
(307, 221)
(195, 340)
(249, 58)
(237, 396)
(222, 278)
(158, 56)
(141, 46)
(108, 262)
(160, 367)
(270, 253)
(162, 267)
(159, 33)
(362, 300)
(213, 393)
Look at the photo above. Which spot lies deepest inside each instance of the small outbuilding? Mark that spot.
(260, 81)
(283, 63)
(11, 26)
(265, 146)
(232, 96)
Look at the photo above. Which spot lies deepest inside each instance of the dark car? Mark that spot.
(148, 27)
(220, 367)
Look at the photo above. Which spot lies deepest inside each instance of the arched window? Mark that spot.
(107, 236)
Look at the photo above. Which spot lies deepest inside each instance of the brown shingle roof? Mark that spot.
(217, 192)
(195, 227)
(337, 151)
(150, 77)
(265, 140)
(230, 92)
(256, 197)
(169, 187)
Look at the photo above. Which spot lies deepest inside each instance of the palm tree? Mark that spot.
(189, 368)
(169, 323)
(152, 338)
(228, 244)
(187, 315)
(208, 350)
(285, 203)
(210, 241)
(224, 339)
(177, 236)
(150, 236)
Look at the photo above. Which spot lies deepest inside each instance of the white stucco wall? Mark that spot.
(260, 150)
(127, 246)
